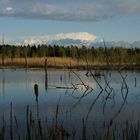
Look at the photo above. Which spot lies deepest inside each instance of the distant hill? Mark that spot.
(77, 39)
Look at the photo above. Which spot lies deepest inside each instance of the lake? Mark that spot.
(110, 97)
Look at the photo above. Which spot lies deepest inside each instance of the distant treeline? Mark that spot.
(113, 55)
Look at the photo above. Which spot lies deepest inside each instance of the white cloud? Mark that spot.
(72, 10)
(9, 10)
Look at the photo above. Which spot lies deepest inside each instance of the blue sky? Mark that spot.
(111, 19)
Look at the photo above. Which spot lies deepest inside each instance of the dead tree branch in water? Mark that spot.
(91, 106)
(124, 86)
(86, 86)
(124, 98)
(96, 80)
(110, 93)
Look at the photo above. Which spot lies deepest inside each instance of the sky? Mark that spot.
(111, 20)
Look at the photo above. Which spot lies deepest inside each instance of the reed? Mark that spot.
(51, 62)
(35, 131)
(28, 135)
(11, 123)
(2, 130)
(17, 127)
(40, 61)
(64, 63)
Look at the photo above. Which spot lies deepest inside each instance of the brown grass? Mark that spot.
(40, 62)
(62, 63)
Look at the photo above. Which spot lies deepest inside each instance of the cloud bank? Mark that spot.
(78, 10)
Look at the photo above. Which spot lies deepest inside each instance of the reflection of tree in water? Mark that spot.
(46, 81)
(36, 95)
(79, 99)
(124, 92)
(92, 104)
(107, 92)
(86, 90)
(3, 83)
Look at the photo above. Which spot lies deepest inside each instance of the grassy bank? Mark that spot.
(64, 63)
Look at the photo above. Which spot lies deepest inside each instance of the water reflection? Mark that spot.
(46, 81)
(105, 98)
(3, 83)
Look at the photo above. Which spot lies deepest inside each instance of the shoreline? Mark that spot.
(65, 63)
(75, 67)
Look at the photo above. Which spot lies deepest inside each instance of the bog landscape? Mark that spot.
(69, 70)
(57, 92)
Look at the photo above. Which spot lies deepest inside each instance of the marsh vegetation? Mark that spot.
(70, 56)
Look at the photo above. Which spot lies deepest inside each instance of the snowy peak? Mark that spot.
(78, 38)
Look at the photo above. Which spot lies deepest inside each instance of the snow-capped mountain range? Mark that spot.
(78, 39)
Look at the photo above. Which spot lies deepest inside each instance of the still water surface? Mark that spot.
(118, 98)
